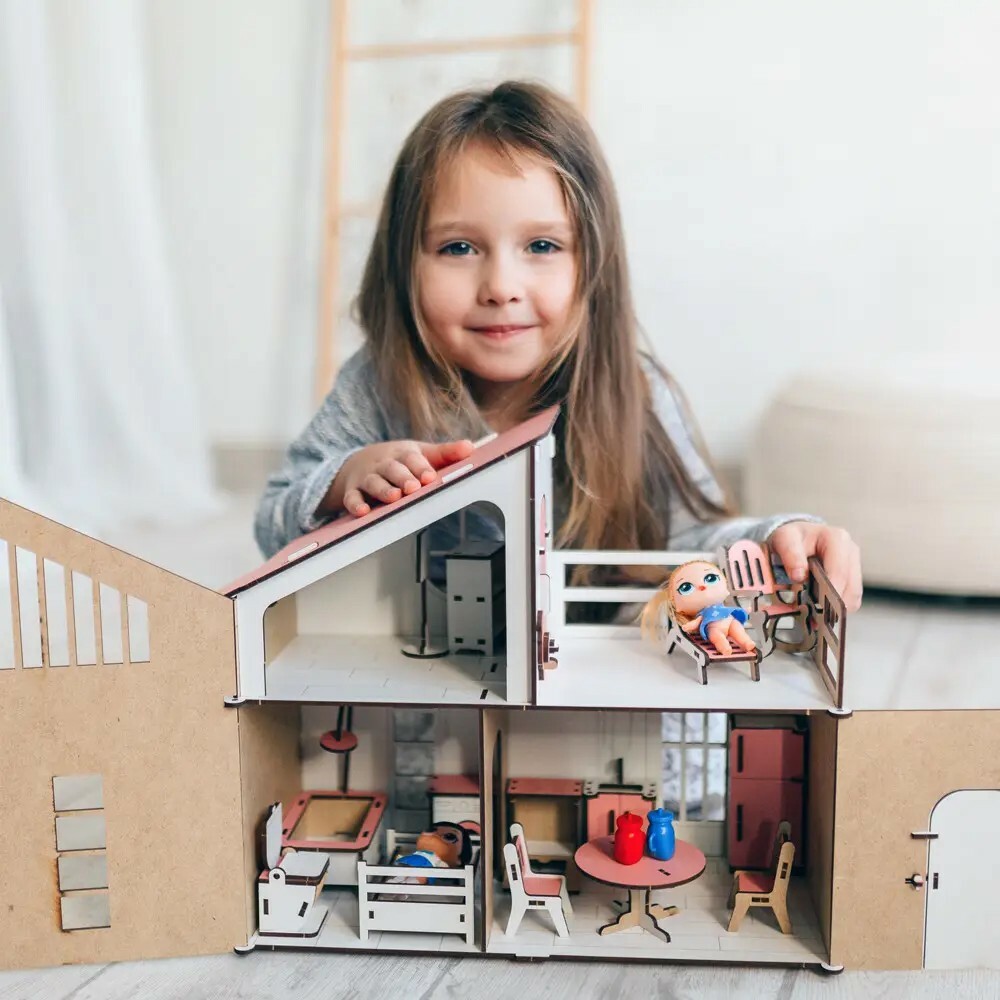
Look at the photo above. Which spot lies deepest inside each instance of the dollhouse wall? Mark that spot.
(892, 768)
(378, 595)
(580, 744)
(820, 816)
(160, 753)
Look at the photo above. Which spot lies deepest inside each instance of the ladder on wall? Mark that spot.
(335, 210)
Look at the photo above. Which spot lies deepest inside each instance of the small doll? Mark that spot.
(694, 595)
(444, 845)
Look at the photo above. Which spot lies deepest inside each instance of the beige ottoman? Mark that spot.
(904, 454)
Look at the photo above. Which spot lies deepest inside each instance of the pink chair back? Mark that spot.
(749, 567)
(522, 855)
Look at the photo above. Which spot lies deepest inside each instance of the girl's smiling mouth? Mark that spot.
(502, 330)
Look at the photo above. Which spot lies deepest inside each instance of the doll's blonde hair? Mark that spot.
(614, 455)
(663, 599)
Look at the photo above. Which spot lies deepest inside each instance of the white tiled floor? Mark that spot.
(698, 932)
(340, 931)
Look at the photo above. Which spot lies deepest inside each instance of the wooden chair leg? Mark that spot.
(514, 920)
(558, 917)
(780, 909)
(734, 888)
(564, 896)
(739, 911)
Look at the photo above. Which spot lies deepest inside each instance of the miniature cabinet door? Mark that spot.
(604, 809)
(961, 926)
(756, 807)
(767, 753)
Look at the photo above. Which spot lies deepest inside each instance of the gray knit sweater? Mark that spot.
(352, 416)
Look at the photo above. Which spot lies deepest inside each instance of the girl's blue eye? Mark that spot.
(457, 249)
(543, 246)
(711, 578)
(685, 588)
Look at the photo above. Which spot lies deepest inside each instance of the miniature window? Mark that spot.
(81, 862)
(694, 765)
(30, 610)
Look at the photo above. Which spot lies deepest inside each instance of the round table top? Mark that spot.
(596, 859)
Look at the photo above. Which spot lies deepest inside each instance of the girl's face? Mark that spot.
(497, 270)
(696, 586)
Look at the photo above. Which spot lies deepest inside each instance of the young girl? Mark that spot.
(496, 286)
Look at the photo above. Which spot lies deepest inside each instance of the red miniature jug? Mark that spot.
(629, 842)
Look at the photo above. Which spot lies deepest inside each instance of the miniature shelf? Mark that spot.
(371, 669)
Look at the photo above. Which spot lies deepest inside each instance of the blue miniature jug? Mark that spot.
(660, 841)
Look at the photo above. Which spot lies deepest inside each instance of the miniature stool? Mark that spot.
(904, 453)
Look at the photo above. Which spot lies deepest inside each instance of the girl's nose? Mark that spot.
(501, 282)
(701, 586)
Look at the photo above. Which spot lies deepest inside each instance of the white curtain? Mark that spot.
(99, 408)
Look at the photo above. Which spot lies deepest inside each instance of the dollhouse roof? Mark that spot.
(494, 450)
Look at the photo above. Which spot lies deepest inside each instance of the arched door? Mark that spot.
(962, 930)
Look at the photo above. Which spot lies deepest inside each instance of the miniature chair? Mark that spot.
(764, 888)
(530, 891)
(289, 889)
(704, 653)
(751, 579)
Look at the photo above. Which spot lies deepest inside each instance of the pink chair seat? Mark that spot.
(773, 610)
(759, 882)
(542, 885)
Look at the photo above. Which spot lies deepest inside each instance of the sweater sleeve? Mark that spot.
(349, 419)
(687, 532)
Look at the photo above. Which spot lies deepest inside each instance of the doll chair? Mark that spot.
(751, 582)
(768, 889)
(529, 891)
(704, 653)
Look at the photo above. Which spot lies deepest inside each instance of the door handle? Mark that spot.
(916, 880)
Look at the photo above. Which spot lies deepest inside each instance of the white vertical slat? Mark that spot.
(83, 619)
(55, 614)
(138, 630)
(27, 591)
(111, 624)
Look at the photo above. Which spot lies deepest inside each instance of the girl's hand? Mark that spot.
(794, 542)
(389, 471)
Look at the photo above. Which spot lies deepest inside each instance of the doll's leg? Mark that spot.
(740, 636)
(717, 637)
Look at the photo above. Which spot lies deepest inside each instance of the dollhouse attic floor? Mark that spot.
(371, 668)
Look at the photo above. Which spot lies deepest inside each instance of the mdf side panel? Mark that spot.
(892, 768)
(137, 844)
(492, 772)
(270, 771)
(820, 817)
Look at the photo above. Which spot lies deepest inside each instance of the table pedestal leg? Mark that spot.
(639, 914)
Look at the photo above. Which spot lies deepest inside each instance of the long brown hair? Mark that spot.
(614, 455)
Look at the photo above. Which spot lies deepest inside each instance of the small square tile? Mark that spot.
(415, 759)
(413, 726)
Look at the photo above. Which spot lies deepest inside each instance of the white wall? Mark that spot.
(800, 181)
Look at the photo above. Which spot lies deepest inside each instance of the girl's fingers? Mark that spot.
(354, 503)
(854, 588)
(440, 455)
(789, 546)
(399, 475)
(419, 466)
(835, 548)
(375, 486)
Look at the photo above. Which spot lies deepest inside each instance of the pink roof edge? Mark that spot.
(493, 450)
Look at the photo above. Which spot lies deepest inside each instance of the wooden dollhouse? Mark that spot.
(189, 771)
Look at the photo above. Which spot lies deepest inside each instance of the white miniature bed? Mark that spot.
(447, 907)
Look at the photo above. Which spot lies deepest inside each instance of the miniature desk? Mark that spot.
(596, 859)
(551, 812)
(454, 798)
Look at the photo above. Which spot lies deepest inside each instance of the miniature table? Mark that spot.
(596, 859)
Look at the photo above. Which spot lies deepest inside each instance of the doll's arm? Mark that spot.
(692, 626)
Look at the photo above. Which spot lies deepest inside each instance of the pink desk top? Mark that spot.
(596, 859)
(551, 787)
(453, 784)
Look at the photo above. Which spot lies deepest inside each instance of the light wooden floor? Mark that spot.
(219, 552)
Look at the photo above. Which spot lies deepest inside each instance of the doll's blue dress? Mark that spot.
(718, 613)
